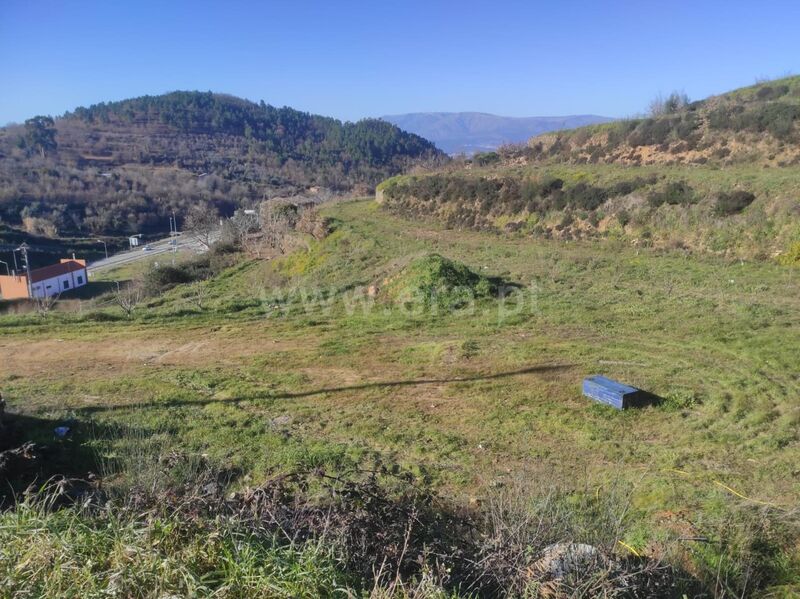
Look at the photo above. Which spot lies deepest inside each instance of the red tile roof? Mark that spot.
(54, 270)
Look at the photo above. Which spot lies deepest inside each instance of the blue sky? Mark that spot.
(357, 59)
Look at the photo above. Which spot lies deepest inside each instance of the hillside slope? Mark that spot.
(721, 175)
(289, 370)
(753, 125)
(469, 132)
(122, 167)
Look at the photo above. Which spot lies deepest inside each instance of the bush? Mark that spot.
(486, 158)
(733, 202)
(673, 103)
(651, 132)
(771, 93)
(777, 118)
(677, 193)
(586, 196)
(624, 188)
(158, 280)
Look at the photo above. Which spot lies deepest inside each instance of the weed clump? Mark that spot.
(436, 280)
(792, 256)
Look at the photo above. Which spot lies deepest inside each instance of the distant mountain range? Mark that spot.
(470, 132)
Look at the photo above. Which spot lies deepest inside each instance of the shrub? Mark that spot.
(733, 202)
(624, 188)
(724, 116)
(619, 131)
(675, 193)
(771, 93)
(651, 132)
(160, 279)
(673, 103)
(586, 196)
(777, 118)
(486, 158)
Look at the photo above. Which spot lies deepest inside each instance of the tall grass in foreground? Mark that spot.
(67, 553)
(162, 523)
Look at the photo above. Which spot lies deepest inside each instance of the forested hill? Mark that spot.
(287, 133)
(121, 167)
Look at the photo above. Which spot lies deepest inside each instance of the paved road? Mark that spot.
(162, 246)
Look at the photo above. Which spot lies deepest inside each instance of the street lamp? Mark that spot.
(8, 270)
(105, 247)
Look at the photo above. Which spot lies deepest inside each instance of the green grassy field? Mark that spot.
(290, 364)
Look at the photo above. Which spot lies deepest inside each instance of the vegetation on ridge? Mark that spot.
(122, 167)
(756, 125)
(683, 178)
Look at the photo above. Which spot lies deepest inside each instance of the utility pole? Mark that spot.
(26, 265)
(173, 234)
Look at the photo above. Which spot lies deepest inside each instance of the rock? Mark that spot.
(281, 420)
(563, 559)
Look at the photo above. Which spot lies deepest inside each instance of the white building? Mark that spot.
(57, 278)
(50, 280)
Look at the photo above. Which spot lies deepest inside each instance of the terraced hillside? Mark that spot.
(721, 175)
(755, 125)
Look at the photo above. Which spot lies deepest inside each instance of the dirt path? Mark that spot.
(131, 350)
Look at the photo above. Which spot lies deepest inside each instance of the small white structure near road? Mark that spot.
(45, 282)
(52, 280)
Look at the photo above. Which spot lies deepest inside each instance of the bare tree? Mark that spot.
(312, 223)
(242, 229)
(45, 304)
(128, 298)
(198, 293)
(202, 224)
(275, 225)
